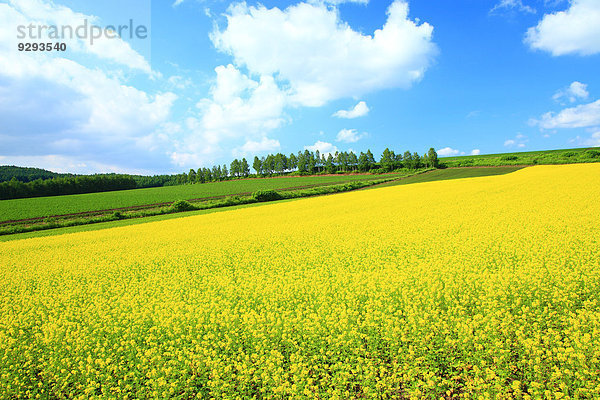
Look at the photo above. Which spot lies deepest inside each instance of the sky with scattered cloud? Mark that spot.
(216, 80)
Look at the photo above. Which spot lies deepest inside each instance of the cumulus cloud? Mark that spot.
(582, 116)
(55, 108)
(573, 31)
(359, 110)
(448, 152)
(238, 108)
(574, 92)
(39, 12)
(475, 152)
(512, 5)
(322, 58)
(323, 147)
(349, 136)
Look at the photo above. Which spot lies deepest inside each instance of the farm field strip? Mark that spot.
(471, 288)
(155, 205)
(38, 207)
(450, 173)
(549, 157)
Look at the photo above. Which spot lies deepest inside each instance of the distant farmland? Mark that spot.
(55, 205)
(568, 156)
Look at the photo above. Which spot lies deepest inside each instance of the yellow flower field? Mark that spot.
(473, 288)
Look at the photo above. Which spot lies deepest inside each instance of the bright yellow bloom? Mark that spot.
(481, 288)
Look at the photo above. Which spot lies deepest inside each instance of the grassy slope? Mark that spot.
(45, 206)
(566, 156)
(446, 174)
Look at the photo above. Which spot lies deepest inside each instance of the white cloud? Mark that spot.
(359, 110)
(336, 2)
(575, 91)
(512, 5)
(574, 31)
(179, 82)
(519, 141)
(55, 108)
(475, 152)
(240, 106)
(448, 152)
(255, 147)
(39, 12)
(349, 136)
(239, 109)
(582, 116)
(323, 147)
(322, 58)
(593, 140)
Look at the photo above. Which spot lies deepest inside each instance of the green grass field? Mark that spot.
(446, 174)
(56, 205)
(567, 156)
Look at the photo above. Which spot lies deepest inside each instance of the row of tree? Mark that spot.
(15, 189)
(303, 162)
(308, 162)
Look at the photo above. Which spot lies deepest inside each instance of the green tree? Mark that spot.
(269, 164)
(216, 173)
(387, 160)
(416, 160)
(234, 168)
(192, 176)
(224, 172)
(279, 163)
(408, 159)
(292, 162)
(352, 160)
(208, 177)
(432, 158)
(318, 160)
(302, 163)
(363, 162)
(200, 176)
(330, 165)
(244, 168)
(257, 165)
(370, 159)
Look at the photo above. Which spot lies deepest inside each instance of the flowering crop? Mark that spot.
(473, 288)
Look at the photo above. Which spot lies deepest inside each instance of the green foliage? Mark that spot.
(23, 174)
(266, 195)
(15, 189)
(509, 157)
(592, 153)
(182, 205)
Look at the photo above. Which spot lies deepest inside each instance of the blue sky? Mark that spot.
(217, 80)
